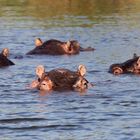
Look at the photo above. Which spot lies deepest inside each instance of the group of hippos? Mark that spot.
(64, 79)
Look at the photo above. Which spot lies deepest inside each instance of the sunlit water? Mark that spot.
(108, 111)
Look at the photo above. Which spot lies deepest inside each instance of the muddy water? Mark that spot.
(108, 111)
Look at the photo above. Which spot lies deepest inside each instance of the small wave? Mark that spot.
(18, 102)
(129, 91)
(115, 114)
(60, 127)
(128, 103)
(16, 120)
(93, 71)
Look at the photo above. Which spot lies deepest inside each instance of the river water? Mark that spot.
(108, 111)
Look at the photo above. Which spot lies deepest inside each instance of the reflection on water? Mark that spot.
(46, 8)
(55, 13)
(110, 109)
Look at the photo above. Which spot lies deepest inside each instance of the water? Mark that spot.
(108, 111)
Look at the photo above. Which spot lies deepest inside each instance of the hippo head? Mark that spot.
(81, 83)
(44, 82)
(47, 84)
(40, 71)
(72, 47)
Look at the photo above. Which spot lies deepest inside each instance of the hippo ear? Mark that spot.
(38, 42)
(67, 46)
(5, 52)
(135, 55)
(138, 61)
(68, 43)
(82, 70)
(40, 70)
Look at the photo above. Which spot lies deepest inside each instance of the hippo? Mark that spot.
(4, 61)
(60, 79)
(56, 47)
(129, 66)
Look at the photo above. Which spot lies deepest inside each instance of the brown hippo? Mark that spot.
(4, 61)
(60, 79)
(129, 66)
(56, 47)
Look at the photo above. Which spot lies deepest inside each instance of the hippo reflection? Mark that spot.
(56, 47)
(4, 61)
(129, 66)
(60, 79)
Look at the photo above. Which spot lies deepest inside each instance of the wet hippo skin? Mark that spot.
(56, 47)
(129, 66)
(60, 79)
(4, 61)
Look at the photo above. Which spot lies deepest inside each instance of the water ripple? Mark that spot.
(17, 120)
(49, 127)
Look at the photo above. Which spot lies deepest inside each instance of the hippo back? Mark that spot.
(53, 47)
(50, 47)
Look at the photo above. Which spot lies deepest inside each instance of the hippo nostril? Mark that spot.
(116, 72)
(84, 83)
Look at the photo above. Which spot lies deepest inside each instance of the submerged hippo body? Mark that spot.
(61, 79)
(129, 66)
(56, 47)
(4, 61)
